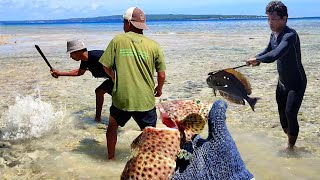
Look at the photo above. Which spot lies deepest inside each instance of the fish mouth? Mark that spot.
(166, 120)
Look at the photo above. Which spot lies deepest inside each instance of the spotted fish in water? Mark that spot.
(232, 85)
(154, 153)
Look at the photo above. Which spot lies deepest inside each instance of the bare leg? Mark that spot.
(99, 103)
(111, 137)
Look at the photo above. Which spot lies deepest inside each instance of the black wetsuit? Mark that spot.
(292, 78)
(96, 68)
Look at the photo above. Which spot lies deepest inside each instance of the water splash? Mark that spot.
(30, 117)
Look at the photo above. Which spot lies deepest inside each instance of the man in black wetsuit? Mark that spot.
(89, 61)
(284, 46)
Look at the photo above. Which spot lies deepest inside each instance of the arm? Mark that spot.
(267, 49)
(76, 72)
(110, 72)
(286, 43)
(108, 59)
(161, 78)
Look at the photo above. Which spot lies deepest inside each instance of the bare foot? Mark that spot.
(111, 158)
(290, 147)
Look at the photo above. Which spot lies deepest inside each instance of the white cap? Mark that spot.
(136, 17)
(75, 45)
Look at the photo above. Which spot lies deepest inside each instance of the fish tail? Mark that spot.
(252, 102)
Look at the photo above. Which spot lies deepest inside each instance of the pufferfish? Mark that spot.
(154, 152)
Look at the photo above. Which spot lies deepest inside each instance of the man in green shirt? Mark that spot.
(135, 59)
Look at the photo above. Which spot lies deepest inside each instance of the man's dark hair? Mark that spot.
(277, 6)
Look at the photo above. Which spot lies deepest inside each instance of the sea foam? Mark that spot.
(30, 117)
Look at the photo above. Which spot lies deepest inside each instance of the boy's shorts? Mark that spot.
(107, 86)
(143, 118)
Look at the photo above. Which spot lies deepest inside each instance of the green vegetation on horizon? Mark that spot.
(151, 17)
(156, 17)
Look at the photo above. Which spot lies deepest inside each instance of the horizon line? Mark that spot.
(74, 18)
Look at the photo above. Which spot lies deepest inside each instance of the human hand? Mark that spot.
(157, 92)
(253, 62)
(54, 73)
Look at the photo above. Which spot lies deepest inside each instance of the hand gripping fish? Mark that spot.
(232, 85)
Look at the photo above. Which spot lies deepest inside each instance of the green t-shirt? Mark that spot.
(135, 57)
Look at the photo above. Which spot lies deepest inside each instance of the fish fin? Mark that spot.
(136, 142)
(252, 102)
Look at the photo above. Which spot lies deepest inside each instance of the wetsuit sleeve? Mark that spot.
(107, 58)
(286, 43)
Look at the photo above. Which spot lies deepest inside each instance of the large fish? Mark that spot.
(155, 150)
(232, 85)
(154, 153)
(157, 153)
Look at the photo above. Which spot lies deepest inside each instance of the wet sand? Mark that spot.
(76, 148)
(3, 39)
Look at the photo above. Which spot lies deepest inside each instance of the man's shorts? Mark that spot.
(107, 86)
(142, 118)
